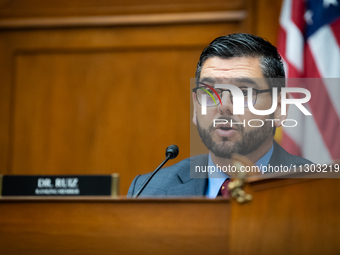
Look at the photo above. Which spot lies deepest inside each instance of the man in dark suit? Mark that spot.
(243, 61)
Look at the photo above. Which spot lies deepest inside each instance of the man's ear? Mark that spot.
(194, 102)
(277, 114)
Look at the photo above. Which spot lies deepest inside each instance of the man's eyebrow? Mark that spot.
(247, 81)
(209, 80)
(233, 81)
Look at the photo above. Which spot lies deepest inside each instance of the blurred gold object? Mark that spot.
(114, 185)
(236, 186)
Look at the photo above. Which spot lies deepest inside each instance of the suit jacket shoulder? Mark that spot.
(173, 180)
(282, 157)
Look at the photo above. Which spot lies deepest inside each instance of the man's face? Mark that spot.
(223, 140)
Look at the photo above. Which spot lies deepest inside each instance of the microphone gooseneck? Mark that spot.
(171, 152)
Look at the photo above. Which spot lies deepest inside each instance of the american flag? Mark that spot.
(309, 43)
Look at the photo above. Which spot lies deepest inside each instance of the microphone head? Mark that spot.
(172, 151)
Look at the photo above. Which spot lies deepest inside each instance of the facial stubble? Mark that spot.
(250, 140)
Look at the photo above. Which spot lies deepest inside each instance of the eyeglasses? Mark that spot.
(213, 100)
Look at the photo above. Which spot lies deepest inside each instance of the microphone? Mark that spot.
(171, 152)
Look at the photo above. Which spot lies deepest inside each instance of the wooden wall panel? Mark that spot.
(58, 8)
(5, 102)
(267, 19)
(98, 111)
(100, 100)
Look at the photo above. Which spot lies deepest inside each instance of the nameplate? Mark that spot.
(60, 185)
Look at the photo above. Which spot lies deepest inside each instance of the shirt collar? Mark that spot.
(265, 159)
(216, 179)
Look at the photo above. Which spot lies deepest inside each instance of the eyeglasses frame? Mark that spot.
(257, 91)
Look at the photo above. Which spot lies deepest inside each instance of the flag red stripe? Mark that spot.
(293, 72)
(335, 26)
(322, 108)
(289, 145)
(298, 11)
(281, 45)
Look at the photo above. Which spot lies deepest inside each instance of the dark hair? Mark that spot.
(246, 45)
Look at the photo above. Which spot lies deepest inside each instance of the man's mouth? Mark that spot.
(225, 130)
(225, 127)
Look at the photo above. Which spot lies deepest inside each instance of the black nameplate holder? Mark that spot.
(59, 185)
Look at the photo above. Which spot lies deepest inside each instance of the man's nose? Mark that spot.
(227, 104)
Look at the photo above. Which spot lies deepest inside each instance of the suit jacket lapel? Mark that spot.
(280, 156)
(188, 186)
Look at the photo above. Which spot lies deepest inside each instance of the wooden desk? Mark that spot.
(286, 216)
(113, 226)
